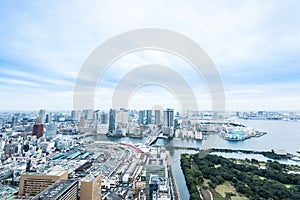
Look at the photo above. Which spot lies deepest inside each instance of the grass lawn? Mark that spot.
(225, 187)
(239, 198)
(206, 182)
(288, 186)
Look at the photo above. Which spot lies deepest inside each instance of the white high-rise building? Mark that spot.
(157, 116)
(169, 117)
(42, 115)
(122, 116)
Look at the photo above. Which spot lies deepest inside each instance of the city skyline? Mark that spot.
(254, 46)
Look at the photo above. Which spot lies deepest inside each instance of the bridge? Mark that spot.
(152, 138)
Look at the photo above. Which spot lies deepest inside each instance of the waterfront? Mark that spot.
(280, 135)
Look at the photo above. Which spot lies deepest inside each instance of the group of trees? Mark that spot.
(273, 182)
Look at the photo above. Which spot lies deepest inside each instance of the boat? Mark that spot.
(298, 151)
(295, 158)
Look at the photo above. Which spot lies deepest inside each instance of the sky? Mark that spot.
(255, 46)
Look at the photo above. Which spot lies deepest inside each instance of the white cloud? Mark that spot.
(52, 40)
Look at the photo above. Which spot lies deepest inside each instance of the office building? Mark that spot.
(73, 115)
(51, 130)
(48, 118)
(60, 190)
(103, 118)
(14, 121)
(141, 116)
(148, 117)
(112, 120)
(82, 122)
(31, 184)
(42, 115)
(95, 121)
(38, 128)
(88, 114)
(157, 115)
(90, 188)
(122, 116)
(156, 165)
(169, 117)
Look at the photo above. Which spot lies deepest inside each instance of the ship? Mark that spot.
(295, 158)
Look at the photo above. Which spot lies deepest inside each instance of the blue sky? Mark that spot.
(254, 44)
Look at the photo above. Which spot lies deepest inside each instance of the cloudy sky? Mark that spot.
(255, 45)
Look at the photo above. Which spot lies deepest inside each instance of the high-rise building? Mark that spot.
(169, 117)
(141, 116)
(95, 121)
(157, 117)
(14, 121)
(42, 115)
(103, 118)
(32, 184)
(122, 116)
(112, 120)
(148, 117)
(88, 114)
(90, 187)
(51, 130)
(60, 190)
(49, 118)
(38, 128)
(82, 122)
(73, 115)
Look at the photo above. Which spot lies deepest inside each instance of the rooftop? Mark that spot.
(55, 190)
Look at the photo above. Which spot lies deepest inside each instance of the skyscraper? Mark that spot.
(95, 121)
(38, 128)
(103, 118)
(73, 115)
(112, 120)
(122, 116)
(169, 117)
(82, 122)
(42, 115)
(141, 116)
(88, 114)
(14, 121)
(48, 118)
(148, 117)
(157, 117)
(90, 188)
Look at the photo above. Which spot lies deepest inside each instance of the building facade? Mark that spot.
(31, 184)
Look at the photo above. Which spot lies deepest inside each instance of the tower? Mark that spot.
(73, 115)
(148, 117)
(157, 117)
(42, 115)
(95, 120)
(103, 118)
(141, 116)
(90, 188)
(169, 117)
(38, 128)
(112, 120)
